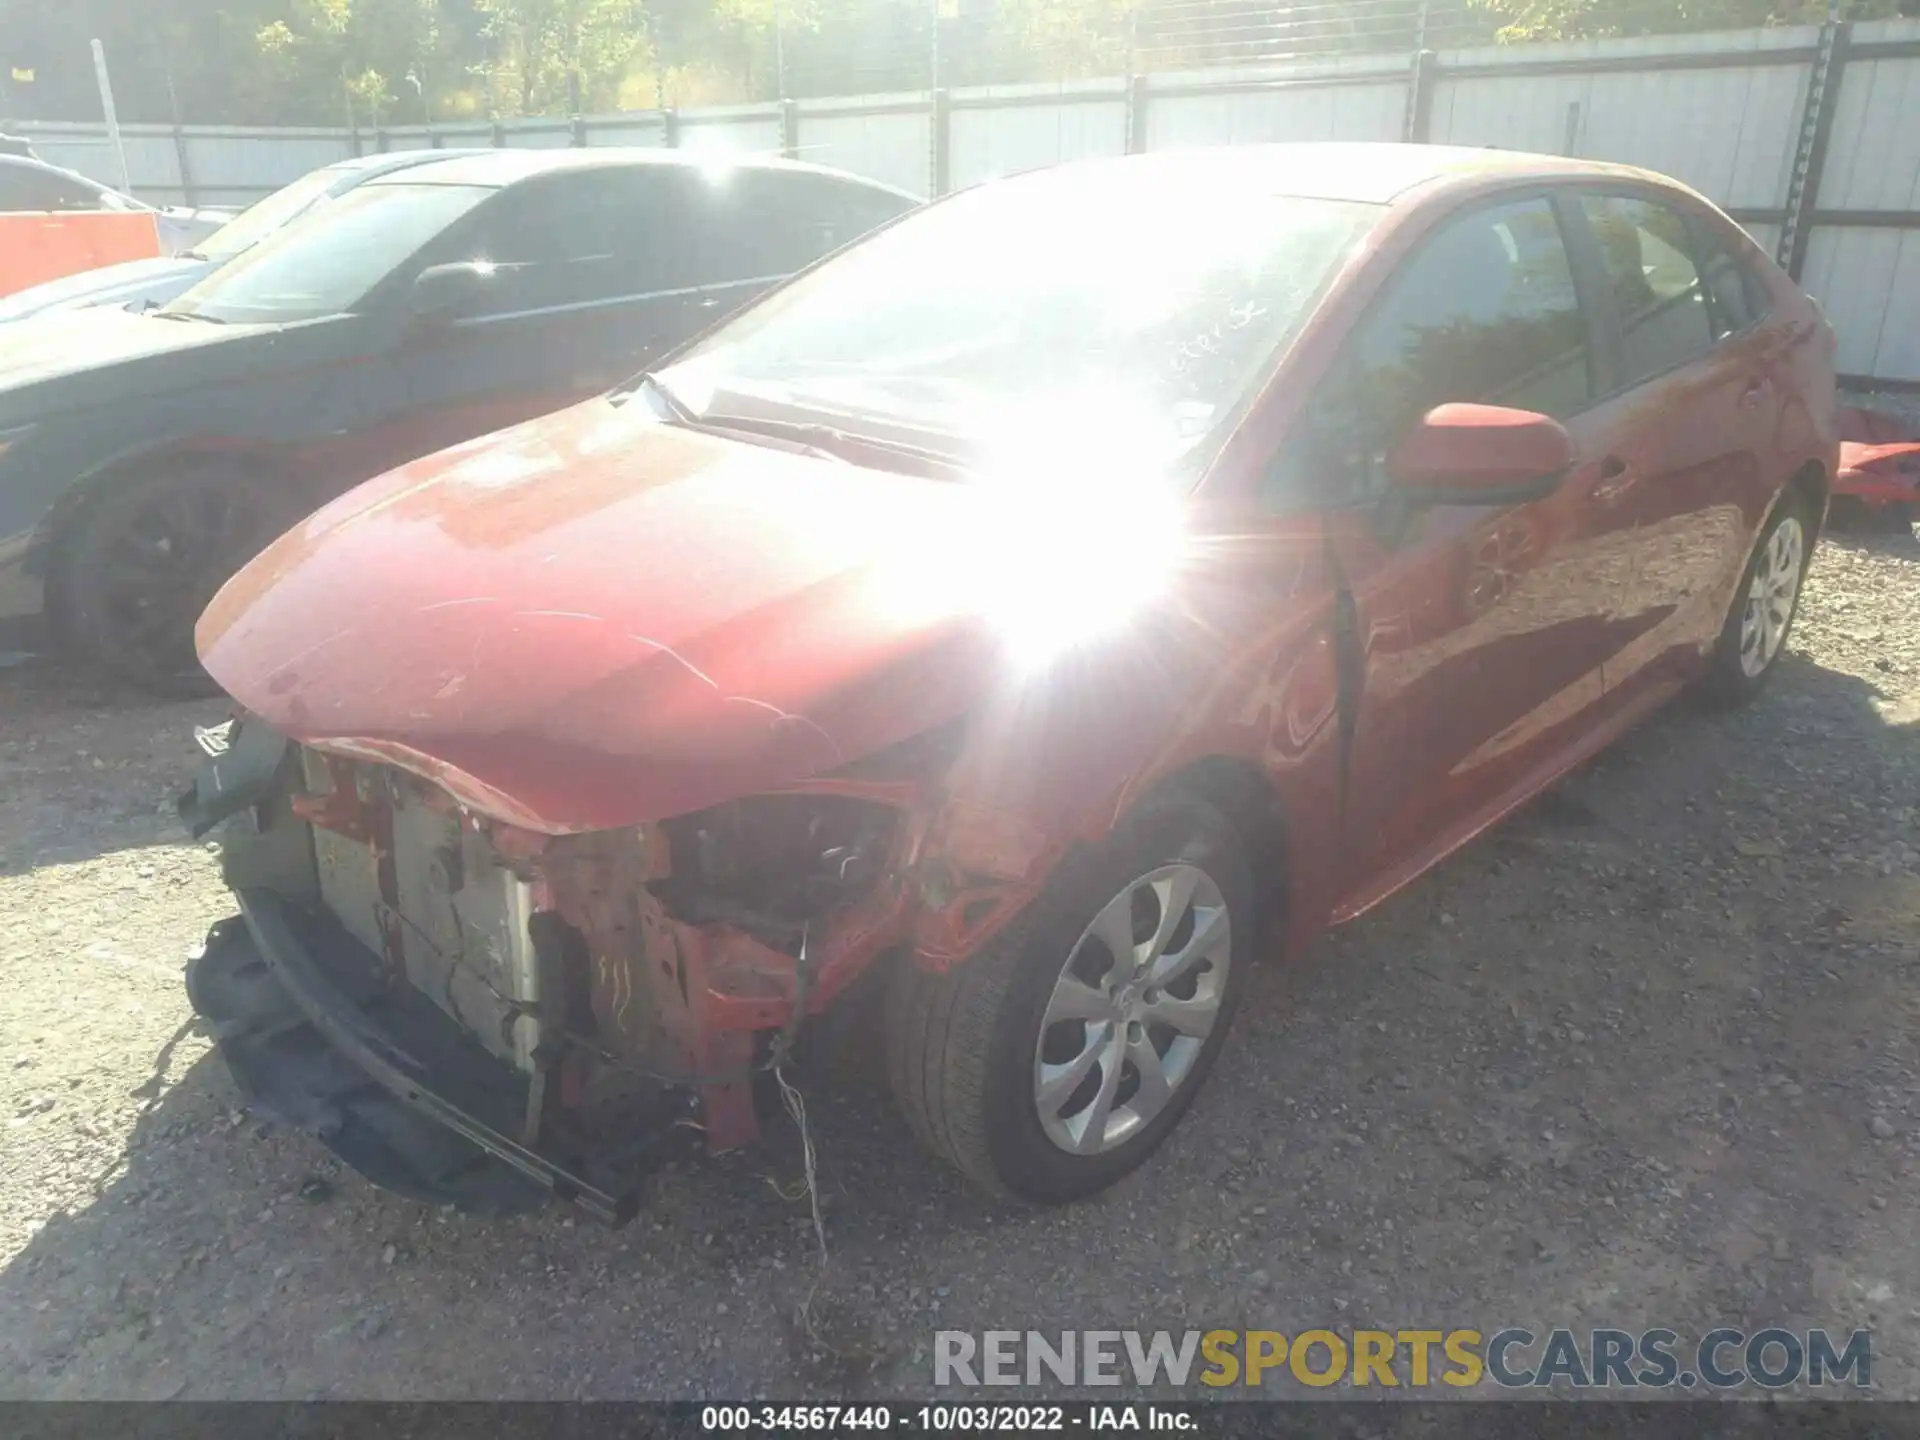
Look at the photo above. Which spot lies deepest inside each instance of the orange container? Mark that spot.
(36, 246)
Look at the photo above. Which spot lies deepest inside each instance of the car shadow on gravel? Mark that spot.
(88, 768)
(1617, 1065)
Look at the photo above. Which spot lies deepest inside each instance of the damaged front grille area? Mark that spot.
(415, 882)
(772, 865)
(606, 987)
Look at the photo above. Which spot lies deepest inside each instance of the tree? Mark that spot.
(1582, 19)
(356, 51)
(542, 49)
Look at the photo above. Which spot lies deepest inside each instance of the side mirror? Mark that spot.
(442, 293)
(1480, 455)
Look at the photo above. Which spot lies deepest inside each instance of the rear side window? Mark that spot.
(1653, 282)
(857, 209)
(1736, 298)
(1485, 310)
(769, 223)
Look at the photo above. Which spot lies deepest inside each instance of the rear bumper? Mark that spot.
(386, 1081)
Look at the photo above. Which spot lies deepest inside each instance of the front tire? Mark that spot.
(1755, 634)
(1061, 1056)
(143, 559)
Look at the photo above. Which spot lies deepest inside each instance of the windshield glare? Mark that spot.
(330, 261)
(261, 219)
(1100, 317)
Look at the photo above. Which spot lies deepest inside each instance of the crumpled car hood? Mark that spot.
(596, 619)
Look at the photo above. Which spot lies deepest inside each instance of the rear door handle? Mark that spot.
(1616, 478)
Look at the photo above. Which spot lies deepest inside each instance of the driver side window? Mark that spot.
(1484, 310)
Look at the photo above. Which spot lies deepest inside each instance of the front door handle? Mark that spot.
(1755, 392)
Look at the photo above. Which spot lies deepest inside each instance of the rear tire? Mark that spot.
(140, 562)
(1761, 617)
(1049, 1027)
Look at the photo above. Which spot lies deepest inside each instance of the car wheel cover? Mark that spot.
(1771, 594)
(1132, 1008)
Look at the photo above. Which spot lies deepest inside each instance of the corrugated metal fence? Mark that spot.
(1810, 136)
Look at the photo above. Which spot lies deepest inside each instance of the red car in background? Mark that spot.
(1029, 607)
(1878, 484)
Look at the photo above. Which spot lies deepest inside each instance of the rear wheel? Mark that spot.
(141, 561)
(1756, 629)
(1061, 1056)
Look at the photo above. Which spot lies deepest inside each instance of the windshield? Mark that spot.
(329, 264)
(1105, 312)
(260, 220)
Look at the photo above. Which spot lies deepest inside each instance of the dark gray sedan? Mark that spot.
(145, 457)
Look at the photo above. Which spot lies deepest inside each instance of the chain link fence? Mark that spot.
(689, 53)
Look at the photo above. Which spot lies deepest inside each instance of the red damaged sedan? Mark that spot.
(1034, 609)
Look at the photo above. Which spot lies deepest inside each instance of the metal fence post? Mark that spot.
(1136, 115)
(670, 127)
(790, 128)
(1419, 121)
(380, 144)
(186, 165)
(940, 163)
(1816, 134)
(499, 134)
(180, 140)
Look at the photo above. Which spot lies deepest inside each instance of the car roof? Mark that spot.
(382, 161)
(1367, 172)
(34, 162)
(500, 168)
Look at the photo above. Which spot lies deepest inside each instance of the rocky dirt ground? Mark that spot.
(1648, 1055)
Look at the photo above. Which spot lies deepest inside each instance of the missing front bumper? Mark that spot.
(399, 1092)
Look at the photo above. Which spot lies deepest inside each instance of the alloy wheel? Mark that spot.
(1131, 1011)
(1771, 594)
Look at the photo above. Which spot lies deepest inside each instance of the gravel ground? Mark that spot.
(1898, 403)
(1645, 1056)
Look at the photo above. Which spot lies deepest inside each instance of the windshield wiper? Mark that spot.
(200, 316)
(193, 255)
(829, 439)
(810, 437)
(647, 380)
(682, 414)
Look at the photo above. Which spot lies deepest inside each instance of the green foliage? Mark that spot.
(1523, 20)
(540, 50)
(394, 62)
